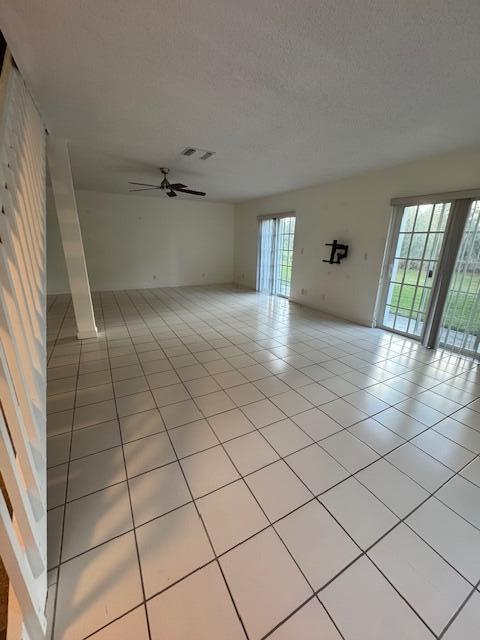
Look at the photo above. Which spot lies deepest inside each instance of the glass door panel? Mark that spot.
(275, 255)
(413, 266)
(460, 329)
(284, 256)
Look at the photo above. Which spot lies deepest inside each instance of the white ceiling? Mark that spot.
(288, 93)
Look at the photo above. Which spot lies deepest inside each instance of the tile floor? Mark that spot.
(224, 465)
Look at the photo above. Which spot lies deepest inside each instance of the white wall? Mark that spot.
(138, 242)
(355, 211)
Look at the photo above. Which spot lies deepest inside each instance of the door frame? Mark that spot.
(273, 216)
(460, 203)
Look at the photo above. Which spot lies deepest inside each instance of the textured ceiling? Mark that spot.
(288, 93)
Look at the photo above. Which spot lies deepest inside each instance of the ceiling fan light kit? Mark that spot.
(170, 188)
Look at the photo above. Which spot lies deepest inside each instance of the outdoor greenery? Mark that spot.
(459, 303)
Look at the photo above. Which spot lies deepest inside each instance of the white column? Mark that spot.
(64, 195)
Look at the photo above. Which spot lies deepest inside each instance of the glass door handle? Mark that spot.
(430, 273)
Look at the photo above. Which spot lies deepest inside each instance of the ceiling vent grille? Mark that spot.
(201, 154)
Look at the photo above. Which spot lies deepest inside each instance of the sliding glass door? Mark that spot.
(275, 254)
(431, 278)
(413, 265)
(460, 327)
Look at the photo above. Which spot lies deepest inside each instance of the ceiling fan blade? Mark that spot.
(142, 184)
(192, 192)
(171, 194)
(177, 185)
(146, 189)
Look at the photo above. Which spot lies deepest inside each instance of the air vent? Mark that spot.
(200, 154)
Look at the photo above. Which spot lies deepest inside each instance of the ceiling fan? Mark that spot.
(170, 188)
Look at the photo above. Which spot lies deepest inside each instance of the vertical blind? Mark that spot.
(266, 255)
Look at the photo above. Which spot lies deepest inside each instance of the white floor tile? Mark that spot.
(277, 489)
(193, 437)
(366, 402)
(54, 539)
(400, 423)
(318, 470)
(141, 424)
(127, 405)
(472, 472)
(469, 417)
(429, 584)
(171, 547)
(244, 394)
(343, 412)
(170, 394)
(316, 424)
(198, 607)
(208, 470)
(91, 414)
(459, 433)
(271, 386)
(319, 545)
(58, 449)
(376, 436)
(291, 403)
(133, 624)
(311, 622)
(316, 394)
(428, 472)
(463, 497)
(175, 415)
(349, 451)
(112, 570)
(95, 472)
(421, 412)
(94, 439)
(262, 413)
(467, 624)
(453, 537)
(396, 490)
(214, 403)
(96, 518)
(366, 607)
(257, 569)
(285, 437)
(231, 515)
(158, 491)
(359, 512)
(444, 450)
(148, 453)
(250, 452)
(230, 424)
